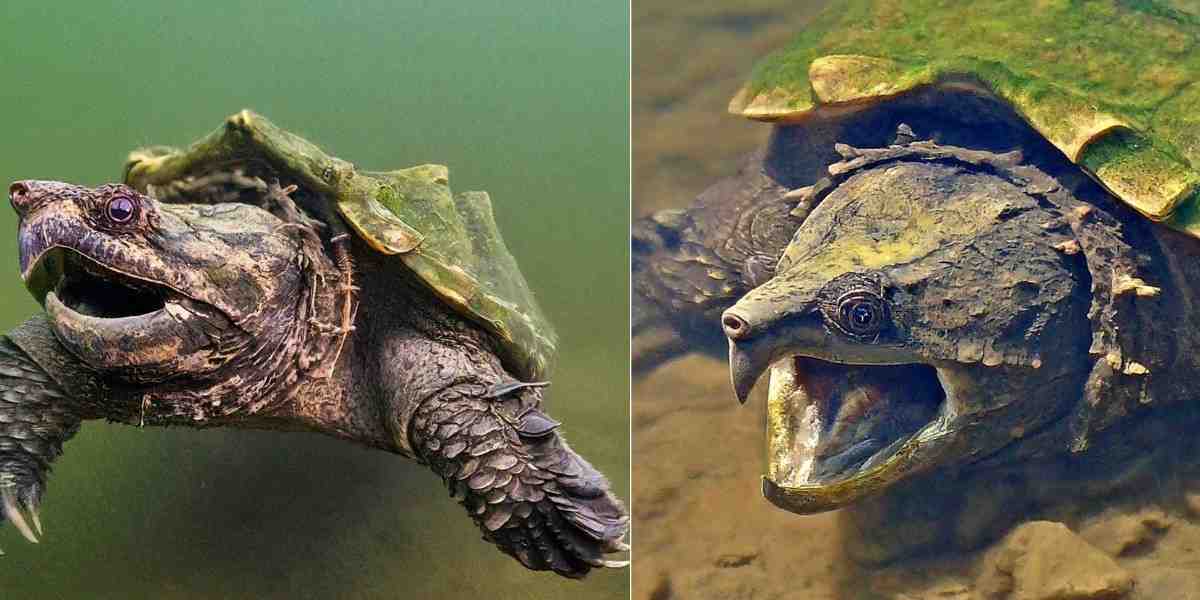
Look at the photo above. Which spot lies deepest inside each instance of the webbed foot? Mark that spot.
(530, 494)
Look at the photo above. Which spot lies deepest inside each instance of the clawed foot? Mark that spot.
(12, 512)
(20, 497)
(35, 420)
(563, 516)
(530, 494)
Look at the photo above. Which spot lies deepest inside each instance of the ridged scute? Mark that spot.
(451, 242)
(1114, 85)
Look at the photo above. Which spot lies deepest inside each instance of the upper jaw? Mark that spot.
(105, 315)
(160, 260)
(750, 357)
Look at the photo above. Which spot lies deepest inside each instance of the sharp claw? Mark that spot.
(615, 564)
(33, 514)
(18, 520)
(622, 547)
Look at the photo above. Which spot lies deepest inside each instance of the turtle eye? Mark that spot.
(861, 314)
(121, 209)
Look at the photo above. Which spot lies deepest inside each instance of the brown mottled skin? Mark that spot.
(210, 315)
(1014, 317)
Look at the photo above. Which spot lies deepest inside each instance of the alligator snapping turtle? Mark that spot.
(198, 294)
(1014, 285)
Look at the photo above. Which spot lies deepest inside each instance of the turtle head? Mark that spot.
(148, 292)
(923, 315)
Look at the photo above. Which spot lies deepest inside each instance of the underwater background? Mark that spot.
(705, 530)
(527, 100)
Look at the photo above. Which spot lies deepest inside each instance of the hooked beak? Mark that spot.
(764, 324)
(747, 362)
(752, 348)
(748, 355)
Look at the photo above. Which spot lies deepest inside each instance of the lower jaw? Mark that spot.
(792, 444)
(153, 339)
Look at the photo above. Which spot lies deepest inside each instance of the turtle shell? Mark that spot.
(1114, 85)
(450, 242)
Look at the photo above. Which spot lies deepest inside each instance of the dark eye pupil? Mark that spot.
(120, 209)
(862, 314)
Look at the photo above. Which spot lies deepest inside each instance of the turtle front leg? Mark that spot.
(689, 265)
(36, 418)
(530, 494)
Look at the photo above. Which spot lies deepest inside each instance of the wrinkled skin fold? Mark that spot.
(934, 308)
(231, 314)
(910, 262)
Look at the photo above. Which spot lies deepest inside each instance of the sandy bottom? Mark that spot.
(704, 531)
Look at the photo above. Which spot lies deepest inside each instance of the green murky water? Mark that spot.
(525, 99)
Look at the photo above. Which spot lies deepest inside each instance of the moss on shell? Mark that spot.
(1112, 84)
(452, 244)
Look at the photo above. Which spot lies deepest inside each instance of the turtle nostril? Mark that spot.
(18, 194)
(735, 326)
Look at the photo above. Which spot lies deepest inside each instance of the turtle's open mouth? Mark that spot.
(852, 417)
(92, 289)
(839, 431)
(113, 320)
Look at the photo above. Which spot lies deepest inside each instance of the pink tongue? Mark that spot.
(862, 409)
(844, 396)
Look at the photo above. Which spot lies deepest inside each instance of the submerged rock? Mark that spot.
(1044, 560)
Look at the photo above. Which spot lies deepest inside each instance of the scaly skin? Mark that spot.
(231, 315)
(37, 417)
(689, 266)
(1011, 313)
(526, 490)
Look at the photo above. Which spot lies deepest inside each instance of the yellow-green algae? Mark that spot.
(451, 242)
(1115, 85)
